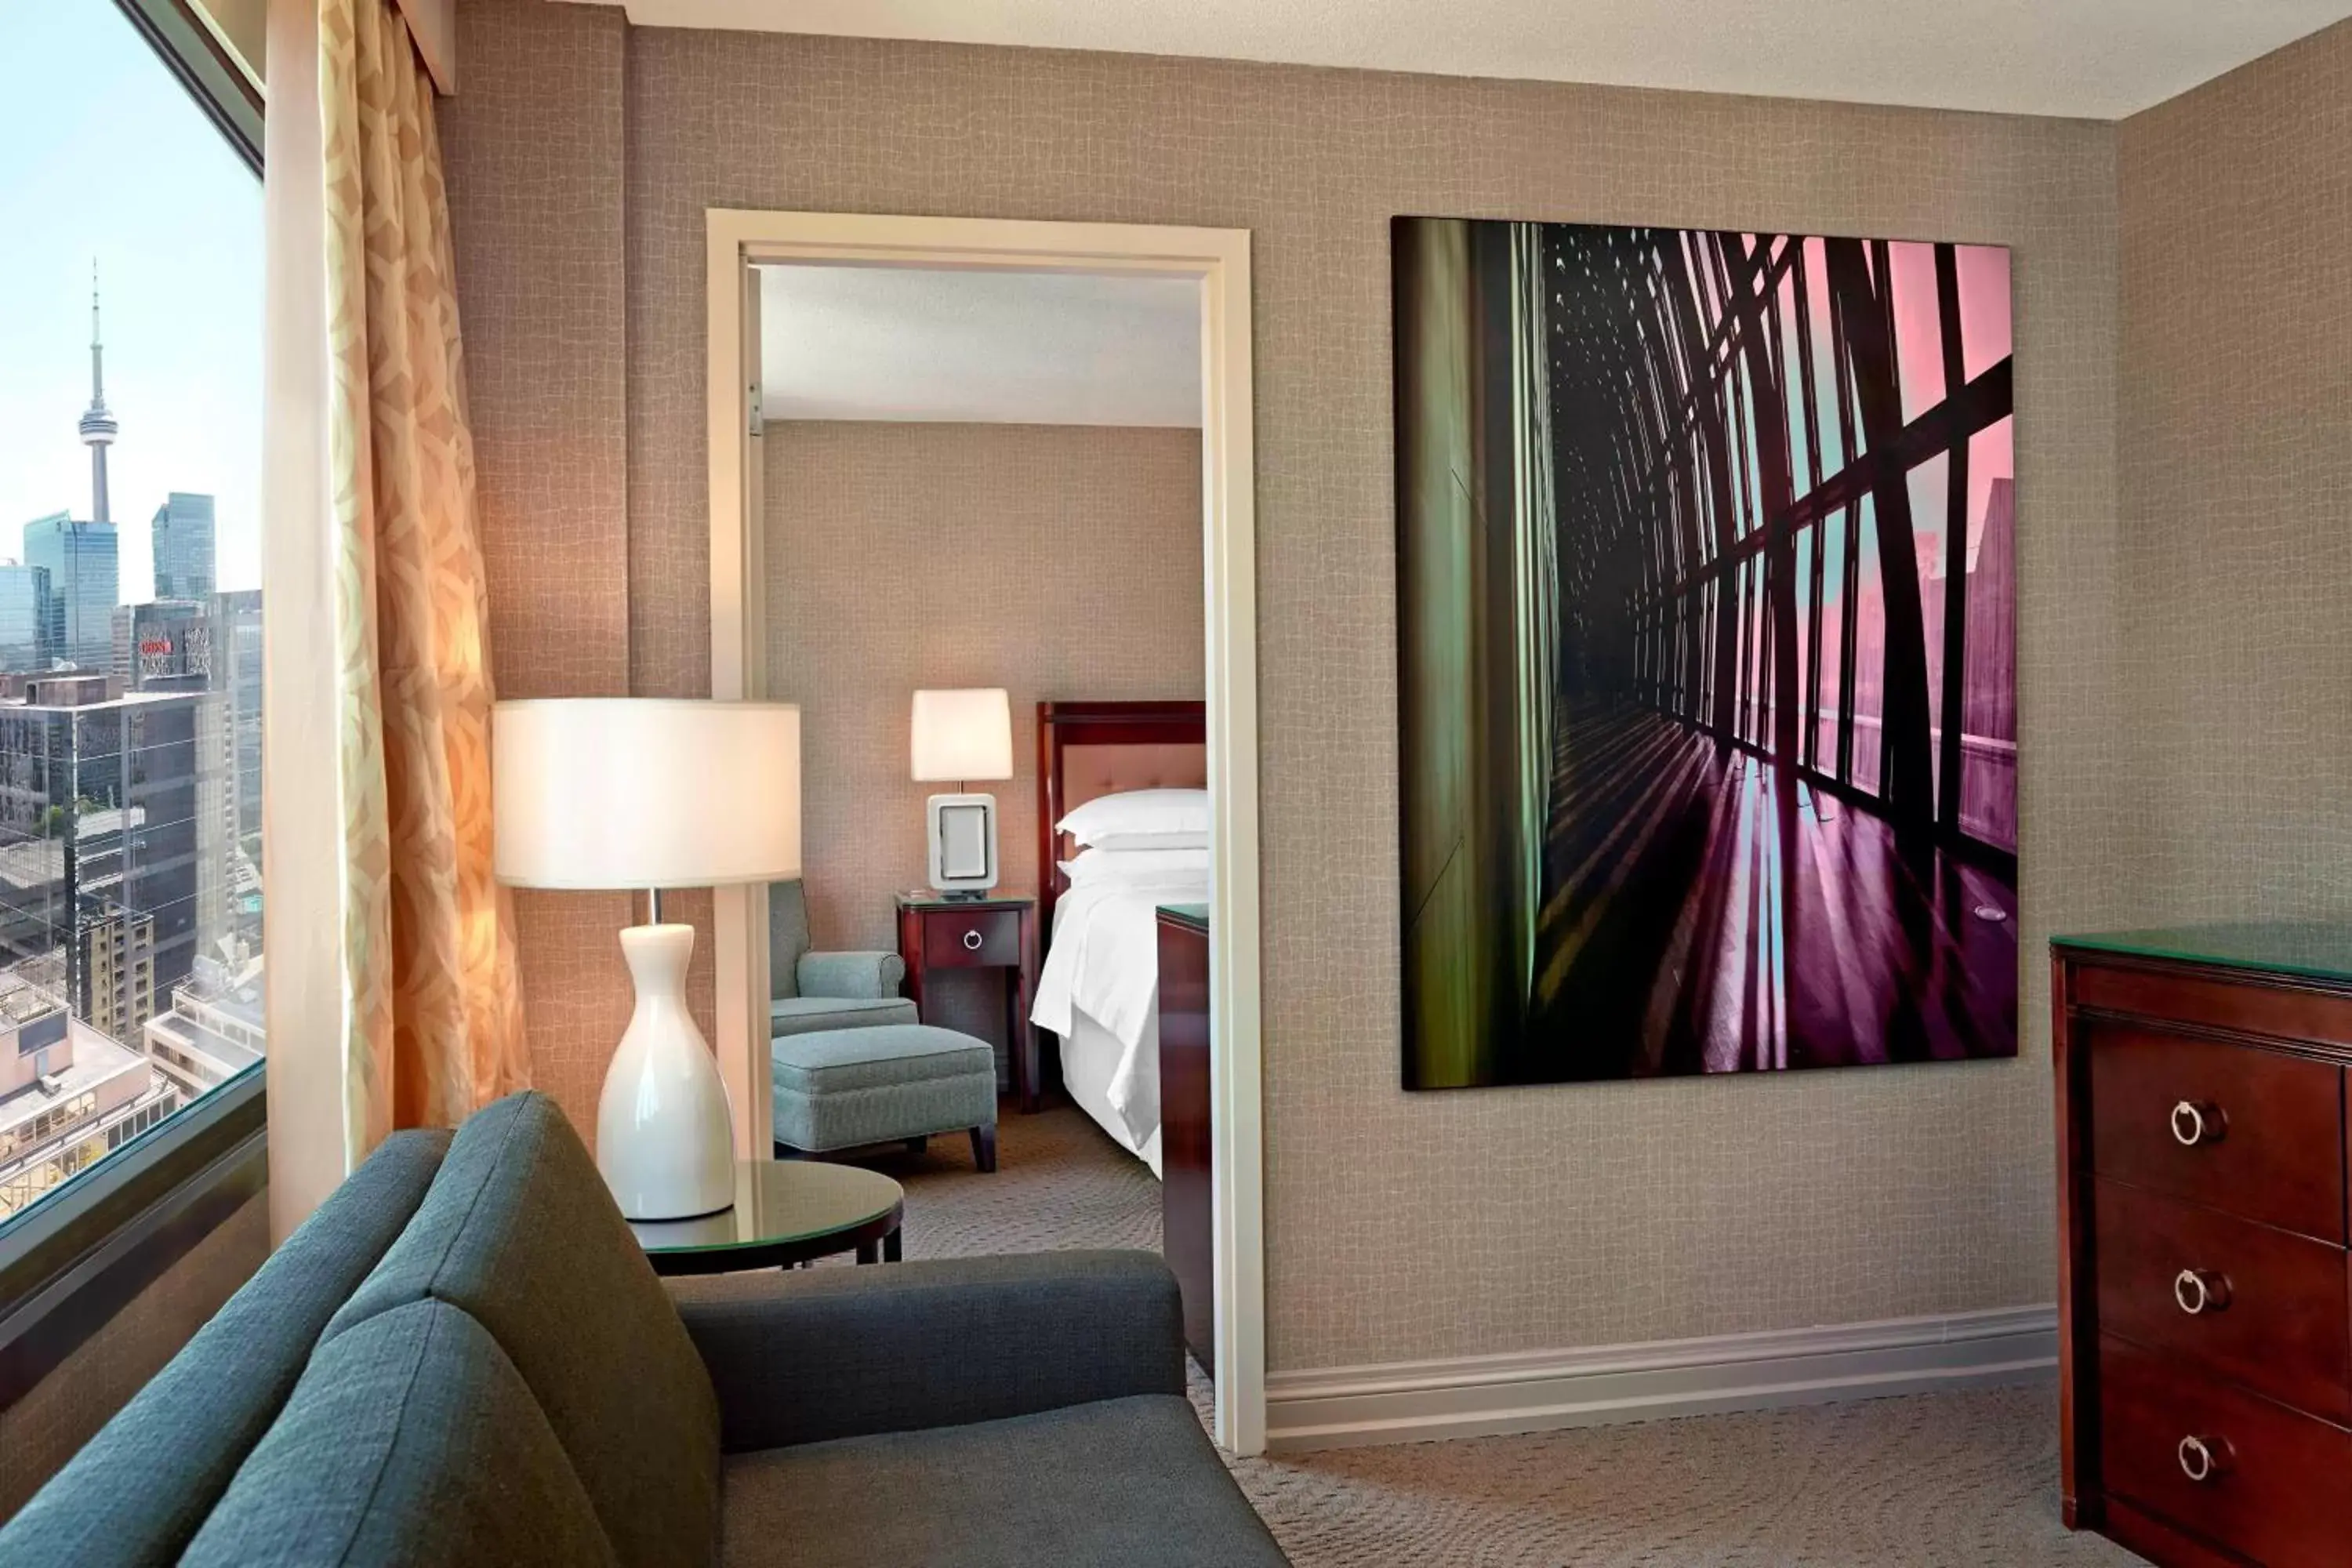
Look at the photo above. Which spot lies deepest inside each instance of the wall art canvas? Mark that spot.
(1707, 594)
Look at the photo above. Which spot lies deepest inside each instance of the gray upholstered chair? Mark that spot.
(814, 992)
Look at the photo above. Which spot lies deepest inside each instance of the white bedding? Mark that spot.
(1100, 993)
(1090, 1056)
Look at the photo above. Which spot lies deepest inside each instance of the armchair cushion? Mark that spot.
(135, 1495)
(411, 1439)
(860, 974)
(519, 1233)
(803, 1357)
(822, 1015)
(1128, 1481)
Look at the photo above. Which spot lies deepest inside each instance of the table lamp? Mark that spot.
(652, 793)
(962, 735)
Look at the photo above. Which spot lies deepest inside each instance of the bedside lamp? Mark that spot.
(644, 793)
(962, 735)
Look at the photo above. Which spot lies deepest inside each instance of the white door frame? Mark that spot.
(1219, 260)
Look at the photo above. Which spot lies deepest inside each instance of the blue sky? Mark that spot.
(103, 156)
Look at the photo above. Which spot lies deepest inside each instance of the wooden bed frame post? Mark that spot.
(1219, 260)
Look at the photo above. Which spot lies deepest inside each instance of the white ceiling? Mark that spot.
(2097, 58)
(1023, 348)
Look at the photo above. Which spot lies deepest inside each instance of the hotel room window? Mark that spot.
(131, 937)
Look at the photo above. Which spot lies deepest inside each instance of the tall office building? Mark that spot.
(101, 823)
(24, 600)
(183, 547)
(80, 559)
(237, 678)
(162, 641)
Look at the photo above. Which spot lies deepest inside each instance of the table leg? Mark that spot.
(894, 1246)
(868, 1252)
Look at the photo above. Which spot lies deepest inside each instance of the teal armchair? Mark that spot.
(809, 991)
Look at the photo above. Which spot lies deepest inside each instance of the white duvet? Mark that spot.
(1105, 964)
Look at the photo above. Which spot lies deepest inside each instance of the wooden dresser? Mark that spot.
(2205, 1331)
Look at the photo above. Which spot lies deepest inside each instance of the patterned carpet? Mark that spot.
(1960, 1480)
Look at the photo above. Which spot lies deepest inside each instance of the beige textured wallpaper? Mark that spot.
(2236, 416)
(1398, 1225)
(1054, 560)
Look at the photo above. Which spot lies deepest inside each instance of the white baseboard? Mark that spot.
(1527, 1391)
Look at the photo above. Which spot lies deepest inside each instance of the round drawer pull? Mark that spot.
(2195, 1123)
(2204, 1458)
(2197, 1290)
(972, 941)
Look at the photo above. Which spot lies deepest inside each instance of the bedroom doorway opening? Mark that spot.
(1011, 463)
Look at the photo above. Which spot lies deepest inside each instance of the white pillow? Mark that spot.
(1125, 841)
(1139, 811)
(1137, 865)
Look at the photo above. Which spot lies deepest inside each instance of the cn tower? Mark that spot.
(97, 423)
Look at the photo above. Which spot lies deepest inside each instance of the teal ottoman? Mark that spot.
(840, 1088)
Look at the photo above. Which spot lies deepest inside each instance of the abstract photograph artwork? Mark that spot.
(1706, 650)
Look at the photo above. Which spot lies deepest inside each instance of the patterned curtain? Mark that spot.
(432, 1014)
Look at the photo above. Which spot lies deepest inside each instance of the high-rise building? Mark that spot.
(236, 678)
(102, 824)
(80, 559)
(162, 641)
(183, 547)
(23, 624)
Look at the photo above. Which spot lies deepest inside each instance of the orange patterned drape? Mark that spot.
(433, 1012)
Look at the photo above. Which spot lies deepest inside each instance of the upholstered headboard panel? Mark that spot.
(1086, 749)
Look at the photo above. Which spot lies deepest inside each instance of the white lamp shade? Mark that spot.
(621, 792)
(963, 734)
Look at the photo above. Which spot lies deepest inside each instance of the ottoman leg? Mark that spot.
(983, 1146)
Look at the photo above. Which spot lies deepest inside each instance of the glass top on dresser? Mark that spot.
(2314, 949)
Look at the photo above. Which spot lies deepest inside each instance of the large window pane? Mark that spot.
(130, 610)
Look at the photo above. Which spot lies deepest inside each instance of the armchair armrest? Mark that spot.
(850, 975)
(837, 1352)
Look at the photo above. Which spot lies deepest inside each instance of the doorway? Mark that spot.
(1215, 262)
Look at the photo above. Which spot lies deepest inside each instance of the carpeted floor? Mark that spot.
(1968, 1480)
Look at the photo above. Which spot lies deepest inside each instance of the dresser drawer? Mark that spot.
(2255, 1132)
(2271, 1309)
(978, 939)
(2274, 1491)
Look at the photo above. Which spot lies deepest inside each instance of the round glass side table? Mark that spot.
(786, 1212)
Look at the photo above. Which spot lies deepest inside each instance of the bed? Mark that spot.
(1098, 983)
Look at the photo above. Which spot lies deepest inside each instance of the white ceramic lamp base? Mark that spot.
(665, 1140)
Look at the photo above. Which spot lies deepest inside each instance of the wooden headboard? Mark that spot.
(1090, 749)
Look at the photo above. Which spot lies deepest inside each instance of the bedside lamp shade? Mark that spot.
(963, 735)
(626, 792)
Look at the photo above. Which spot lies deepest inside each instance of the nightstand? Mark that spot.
(936, 933)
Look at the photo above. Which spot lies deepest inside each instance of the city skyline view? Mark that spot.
(106, 171)
(130, 628)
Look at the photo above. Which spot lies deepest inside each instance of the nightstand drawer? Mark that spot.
(975, 939)
(2255, 1132)
(2261, 1307)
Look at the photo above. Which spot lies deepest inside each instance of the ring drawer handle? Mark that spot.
(972, 939)
(2197, 1290)
(2195, 1123)
(2204, 1458)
